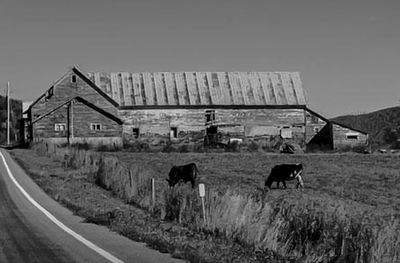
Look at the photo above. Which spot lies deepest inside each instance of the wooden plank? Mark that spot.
(224, 87)
(148, 89)
(126, 86)
(215, 99)
(218, 89)
(255, 85)
(137, 92)
(288, 89)
(277, 88)
(192, 88)
(298, 88)
(246, 91)
(159, 88)
(237, 93)
(203, 88)
(266, 88)
(120, 89)
(115, 87)
(181, 89)
(105, 81)
(170, 88)
(97, 80)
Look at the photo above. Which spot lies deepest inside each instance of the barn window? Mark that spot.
(135, 132)
(174, 132)
(60, 127)
(314, 119)
(210, 115)
(95, 126)
(352, 136)
(286, 132)
(49, 94)
(73, 79)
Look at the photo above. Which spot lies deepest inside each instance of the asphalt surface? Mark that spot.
(35, 228)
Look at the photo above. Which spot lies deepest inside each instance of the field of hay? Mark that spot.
(368, 180)
(347, 212)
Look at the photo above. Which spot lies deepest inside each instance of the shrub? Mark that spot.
(252, 146)
(234, 146)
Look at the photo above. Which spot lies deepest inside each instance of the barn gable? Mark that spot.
(202, 88)
(73, 83)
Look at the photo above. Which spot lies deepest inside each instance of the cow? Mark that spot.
(285, 172)
(185, 173)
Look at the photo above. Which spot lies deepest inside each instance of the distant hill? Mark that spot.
(383, 126)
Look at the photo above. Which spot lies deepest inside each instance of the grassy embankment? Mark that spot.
(348, 212)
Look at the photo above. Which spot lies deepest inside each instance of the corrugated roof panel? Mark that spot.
(225, 88)
(149, 88)
(287, 86)
(192, 89)
(256, 87)
(181, 88)
(277, 89)
(137, 91)
(159, 88)
(246, 89)
(215, 100)
(115, 87)
(126, 85)
(298, 88)
(170, 88)
(202, 88)
(236, 88)
(266, 87)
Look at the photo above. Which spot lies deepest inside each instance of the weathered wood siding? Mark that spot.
(63, 91)
(191, 123)
(342, 137)
(83, 116)
(313, 125)
(78, 124)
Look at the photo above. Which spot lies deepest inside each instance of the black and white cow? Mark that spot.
(285, 172)
(185, 173)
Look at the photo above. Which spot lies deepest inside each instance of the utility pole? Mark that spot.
(8, 113)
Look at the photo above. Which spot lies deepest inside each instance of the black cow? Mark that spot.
(285, 172)
(185, 173)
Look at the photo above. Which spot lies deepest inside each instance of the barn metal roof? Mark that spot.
(202, 88)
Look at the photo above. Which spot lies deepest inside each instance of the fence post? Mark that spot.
(153, 193)
(202, 192)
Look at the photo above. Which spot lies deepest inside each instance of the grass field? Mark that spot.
(348, 211)
(370, 180)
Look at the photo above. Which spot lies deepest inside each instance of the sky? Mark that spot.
(347, 51)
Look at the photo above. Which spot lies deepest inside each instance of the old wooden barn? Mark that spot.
(183, 108)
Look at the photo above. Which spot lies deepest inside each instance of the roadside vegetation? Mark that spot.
(349, 210)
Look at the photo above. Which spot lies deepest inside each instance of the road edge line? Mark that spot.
(80, 238)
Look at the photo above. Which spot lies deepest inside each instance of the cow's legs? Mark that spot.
(300, 182)
(284, 184)
(277, 184)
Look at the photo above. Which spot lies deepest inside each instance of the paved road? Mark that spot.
(35, 228)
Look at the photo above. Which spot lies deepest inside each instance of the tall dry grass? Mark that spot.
(305, 226)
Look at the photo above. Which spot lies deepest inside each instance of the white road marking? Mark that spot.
(86, 242)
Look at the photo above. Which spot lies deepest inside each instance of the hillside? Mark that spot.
(383, 126)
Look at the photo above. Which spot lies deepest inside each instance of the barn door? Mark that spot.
(211, 135)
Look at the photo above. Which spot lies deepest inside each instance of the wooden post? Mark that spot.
(202, 192)
(8, 113)
(153, 192)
